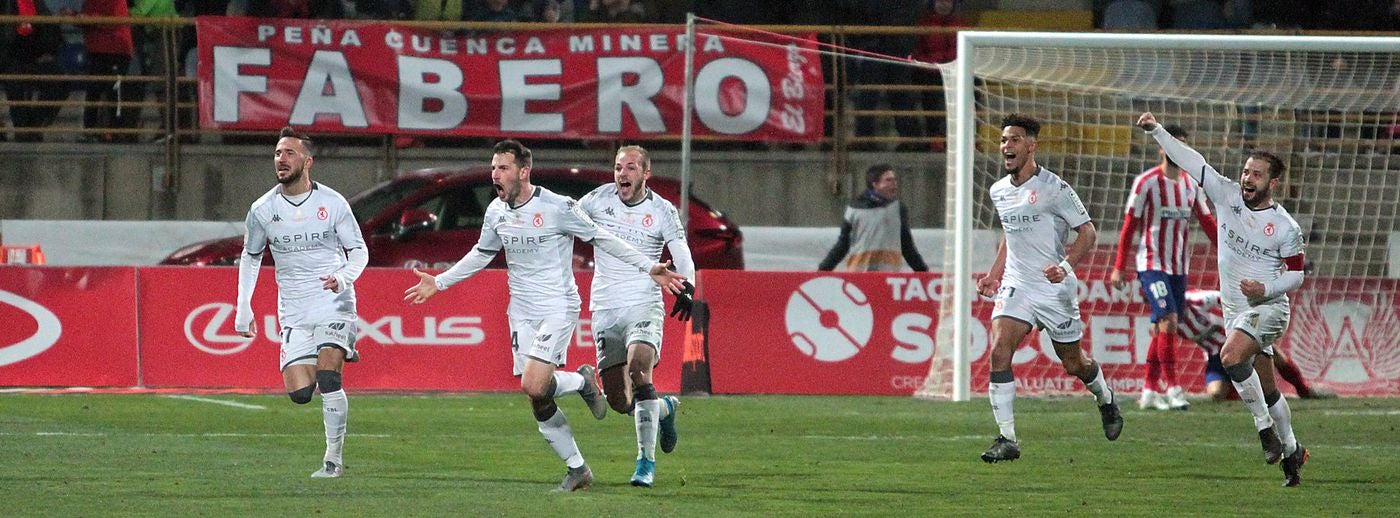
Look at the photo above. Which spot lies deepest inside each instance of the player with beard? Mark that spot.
(536, 229)
(319, 252)
(626, 306)
(1033, 280)
(1260, 260)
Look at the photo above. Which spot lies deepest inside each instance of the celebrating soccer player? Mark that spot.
(319, 253)
(1162, 202)
(536, 229)
(627, 307)
(1033, 280)
(1260, 260)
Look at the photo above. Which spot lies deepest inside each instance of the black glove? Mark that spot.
(681, 309)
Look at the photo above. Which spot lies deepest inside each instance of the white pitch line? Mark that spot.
(234, 404)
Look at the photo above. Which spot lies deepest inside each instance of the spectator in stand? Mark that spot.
(439, 10)
(1198, 15)
(492, 11)
(109, 53)
(545, 11)
(1130, 15)
(35, 52)
(151, 49)
(939, 47)
(380, 9)
(874, 75)
(613, 11)
(327, 9)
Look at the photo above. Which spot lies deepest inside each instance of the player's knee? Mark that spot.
(302, 395)
(328, 380)
(543, 409)
(1238, 371)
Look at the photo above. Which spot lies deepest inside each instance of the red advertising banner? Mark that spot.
(624, 82)
(67, 326)
(830, 333)
(460, 340)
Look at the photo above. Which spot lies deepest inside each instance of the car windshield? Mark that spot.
(373, 201)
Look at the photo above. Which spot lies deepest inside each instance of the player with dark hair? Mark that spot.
(1033, 280)
(1260, 260)
(536, 229)
(319, 251)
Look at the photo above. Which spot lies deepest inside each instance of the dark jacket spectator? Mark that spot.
(35, 52)
(110, 49)
(612, 11)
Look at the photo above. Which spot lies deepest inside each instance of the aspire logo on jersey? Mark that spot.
(47, 329)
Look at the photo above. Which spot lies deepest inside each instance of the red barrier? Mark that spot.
(460, 340)
(826, 333)
(67, 326)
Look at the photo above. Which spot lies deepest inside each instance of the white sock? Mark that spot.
(335, 411)
(1283, 424)
(567, 382)
(1253, 396)
(1003, 396)
(560, 436)
(1099, 387)
(647, 414)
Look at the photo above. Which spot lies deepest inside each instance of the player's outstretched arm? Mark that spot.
(421, 292)
(669, 280)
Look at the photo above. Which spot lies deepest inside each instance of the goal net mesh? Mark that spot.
(1331, 116)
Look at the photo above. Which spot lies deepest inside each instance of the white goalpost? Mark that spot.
(1327, 105)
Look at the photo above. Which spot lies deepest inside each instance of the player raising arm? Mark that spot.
(1260, 259)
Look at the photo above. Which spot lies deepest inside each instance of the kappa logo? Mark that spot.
(211, 321)
(829, 319)
(609, 211)
(276, 218)
(1347, 342)
(50, 328)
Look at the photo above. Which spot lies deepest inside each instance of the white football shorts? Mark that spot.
(616, 329)
(1051, 307)
(301, 344)
(545, 340)
(1264, 323)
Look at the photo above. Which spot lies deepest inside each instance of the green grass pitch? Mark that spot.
(480, 454)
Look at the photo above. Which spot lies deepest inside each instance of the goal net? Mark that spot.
(1326, 105)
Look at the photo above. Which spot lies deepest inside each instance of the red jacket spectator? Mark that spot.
(939, 47)
(107, 39)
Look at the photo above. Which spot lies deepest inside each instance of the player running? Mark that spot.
(536, 229)
(319, 251)
(1260, 260)
(627, 307)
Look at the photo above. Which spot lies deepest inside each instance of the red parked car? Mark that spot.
(432, 217)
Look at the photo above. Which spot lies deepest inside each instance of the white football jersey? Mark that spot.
(647, 226)
(538, 240)
(1037, 217)
(308, 241)
(1253, 243)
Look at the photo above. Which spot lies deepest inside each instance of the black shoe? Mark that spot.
(1112, 420)
(1292, 464)
(1273, 448)
(1002, 449)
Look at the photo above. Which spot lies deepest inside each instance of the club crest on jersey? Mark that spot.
(539, 220)
(1031, 199)
(647, 221)
(321, 214)
(1269, 229)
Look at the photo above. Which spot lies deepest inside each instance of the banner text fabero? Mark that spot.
(348, 76)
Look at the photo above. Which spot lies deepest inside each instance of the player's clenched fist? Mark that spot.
(987, 286)
(1147, 122)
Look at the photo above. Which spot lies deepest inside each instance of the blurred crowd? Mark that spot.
(112, 109)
